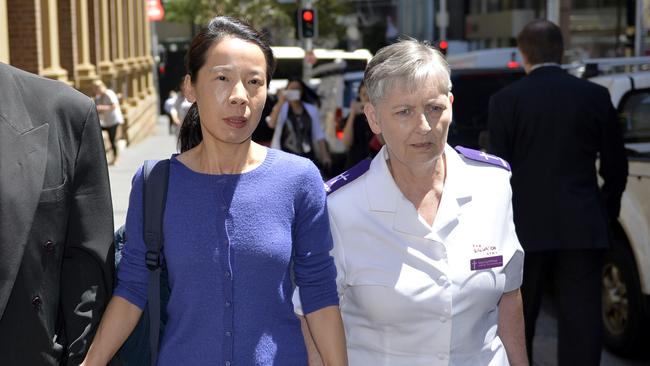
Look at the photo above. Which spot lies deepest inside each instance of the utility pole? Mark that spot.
(565, 22)
(442, 18)
(308, 47)
(640, 31)
(553, 11)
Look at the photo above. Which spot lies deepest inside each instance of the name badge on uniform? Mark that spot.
(486, 263)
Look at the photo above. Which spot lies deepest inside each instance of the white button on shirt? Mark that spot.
(407, 292)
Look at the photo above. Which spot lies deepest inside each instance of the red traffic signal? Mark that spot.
(308, 15)
(307, 23)
(443, 46)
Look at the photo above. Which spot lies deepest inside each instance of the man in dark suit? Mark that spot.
(56, 221)
(552, 127)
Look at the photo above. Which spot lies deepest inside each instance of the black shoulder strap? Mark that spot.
(156, 177)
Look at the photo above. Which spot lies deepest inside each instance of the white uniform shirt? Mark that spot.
(408, 294)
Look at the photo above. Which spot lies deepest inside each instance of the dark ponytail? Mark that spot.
(190, 133)
(219, 27)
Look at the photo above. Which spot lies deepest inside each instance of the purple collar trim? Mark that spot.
(480, 156)
(347, 176)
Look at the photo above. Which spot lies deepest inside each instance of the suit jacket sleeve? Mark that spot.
(613, 159)
(88, 264)
(498, 129)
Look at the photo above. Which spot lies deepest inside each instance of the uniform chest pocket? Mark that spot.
(54, 194)
(417, 299)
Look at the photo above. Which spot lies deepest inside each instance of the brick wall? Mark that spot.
(25, 45)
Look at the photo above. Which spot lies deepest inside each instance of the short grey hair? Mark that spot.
(408, 62)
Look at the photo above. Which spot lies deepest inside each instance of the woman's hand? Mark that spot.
(117, 323)
(356, 107)
(282, 97)
(272, 118)
(511, 328)
(326, 329)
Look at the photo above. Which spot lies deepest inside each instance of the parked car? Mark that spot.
(626, 271)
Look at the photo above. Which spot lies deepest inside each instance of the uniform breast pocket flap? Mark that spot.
(54, 194)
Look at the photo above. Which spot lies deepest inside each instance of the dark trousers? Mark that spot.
(112, 132)
(576, 282)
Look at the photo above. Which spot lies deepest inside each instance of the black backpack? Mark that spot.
(141, 348)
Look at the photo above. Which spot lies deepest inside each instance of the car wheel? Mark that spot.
(623, 310)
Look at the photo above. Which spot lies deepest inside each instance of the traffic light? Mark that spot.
(442, 47)
(307, 23)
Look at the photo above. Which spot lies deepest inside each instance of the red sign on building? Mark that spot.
(155, 11)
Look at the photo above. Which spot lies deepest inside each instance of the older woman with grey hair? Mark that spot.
(429, 265)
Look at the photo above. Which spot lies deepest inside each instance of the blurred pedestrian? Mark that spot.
(167, 108)
(241, 222)
(357, 135)
(110, 114)
(552, 127)
(263, 134)
(179, 109)
(428, 263)
(56, 221)
(297, 124)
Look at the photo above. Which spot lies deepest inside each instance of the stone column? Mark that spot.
(86, 73)
(4, 32)
(121, 65)
(105, 66)
(68, 36)
(141, 21)
(50, 37)
(133, 57)
(148, 56)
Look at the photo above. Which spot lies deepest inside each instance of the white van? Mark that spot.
(626, 273)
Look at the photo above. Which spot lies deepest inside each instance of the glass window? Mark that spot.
(472, 89)
(635, 116)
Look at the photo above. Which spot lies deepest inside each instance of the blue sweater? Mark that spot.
(228, 245)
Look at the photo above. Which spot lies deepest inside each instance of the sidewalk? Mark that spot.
(159, 146)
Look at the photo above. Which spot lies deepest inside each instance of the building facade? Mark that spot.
(80, 41)
(591, 28)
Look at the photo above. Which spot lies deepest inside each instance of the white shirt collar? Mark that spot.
(544, 64)
(384, 194)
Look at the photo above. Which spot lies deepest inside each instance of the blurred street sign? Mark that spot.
(155, 11)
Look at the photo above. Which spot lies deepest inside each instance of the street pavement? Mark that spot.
(544, 344)
(162, 145)
(159, 146)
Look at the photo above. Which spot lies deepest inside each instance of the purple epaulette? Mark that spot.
(483, 157)
(347, 176)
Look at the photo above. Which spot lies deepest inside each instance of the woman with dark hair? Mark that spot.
(241, 221)
(357, 135)
(297, 124)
